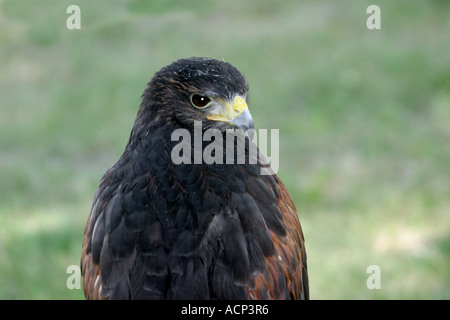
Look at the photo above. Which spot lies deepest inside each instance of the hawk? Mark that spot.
(165, 229)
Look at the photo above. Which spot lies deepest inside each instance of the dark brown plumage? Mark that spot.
(160, 230)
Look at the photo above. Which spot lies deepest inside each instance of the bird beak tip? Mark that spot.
(245, 122)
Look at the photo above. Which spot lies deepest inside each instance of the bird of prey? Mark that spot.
(165, 229)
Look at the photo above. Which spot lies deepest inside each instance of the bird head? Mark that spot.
(198, 89)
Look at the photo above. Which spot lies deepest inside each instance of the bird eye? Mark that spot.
(200, 101)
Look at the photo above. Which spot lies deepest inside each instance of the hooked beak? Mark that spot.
(236, 114)
(244, 121)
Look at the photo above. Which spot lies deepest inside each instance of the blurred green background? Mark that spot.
(364, 119)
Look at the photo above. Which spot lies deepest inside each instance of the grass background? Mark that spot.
(364, 119)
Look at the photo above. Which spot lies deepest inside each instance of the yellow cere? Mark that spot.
(239, 105)
(228, 112)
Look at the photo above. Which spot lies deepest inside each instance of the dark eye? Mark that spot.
(200, 101)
